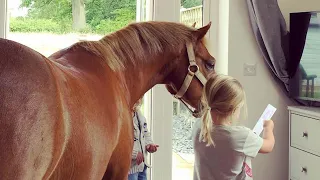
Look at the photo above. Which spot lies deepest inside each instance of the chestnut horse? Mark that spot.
(68, 116)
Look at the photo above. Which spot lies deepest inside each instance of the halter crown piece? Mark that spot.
(187, 81)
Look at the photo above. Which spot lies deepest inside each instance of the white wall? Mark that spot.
(261, 90)
(223, 37)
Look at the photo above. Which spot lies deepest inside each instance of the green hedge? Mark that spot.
(49, 25)
(119, 18)
(37, 25)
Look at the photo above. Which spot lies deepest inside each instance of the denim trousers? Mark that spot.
(139, 175)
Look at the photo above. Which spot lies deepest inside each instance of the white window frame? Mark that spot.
(4, 24)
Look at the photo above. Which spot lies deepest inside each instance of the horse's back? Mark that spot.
(29, 113)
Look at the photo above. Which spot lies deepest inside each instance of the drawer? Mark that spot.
(305, 133)
(303, 166)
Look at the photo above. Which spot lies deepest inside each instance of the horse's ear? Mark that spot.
(194, 24)
(201, 32)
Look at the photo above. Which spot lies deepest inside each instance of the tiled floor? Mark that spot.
(182, 165)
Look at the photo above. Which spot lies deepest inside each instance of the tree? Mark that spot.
(58, 10)
(190, 3)
(78, 15)
(80, 12)
(98, 10)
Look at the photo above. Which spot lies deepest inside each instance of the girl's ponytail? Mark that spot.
(206, 127)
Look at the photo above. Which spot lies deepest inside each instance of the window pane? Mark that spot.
(191, 11)
(48, 26)
(309, 81)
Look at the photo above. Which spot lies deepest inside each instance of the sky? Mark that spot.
(13, 6)
(14, 3)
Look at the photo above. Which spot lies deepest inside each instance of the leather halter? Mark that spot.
(187, 81)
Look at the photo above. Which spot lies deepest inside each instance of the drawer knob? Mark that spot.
(304, 169)
(304, 134)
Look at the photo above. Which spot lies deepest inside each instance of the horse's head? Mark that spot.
(192, 68)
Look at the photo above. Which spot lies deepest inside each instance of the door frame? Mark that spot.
(4, 24)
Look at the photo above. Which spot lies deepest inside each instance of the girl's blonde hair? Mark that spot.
(222, 96)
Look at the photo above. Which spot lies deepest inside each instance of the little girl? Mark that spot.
(223, 151)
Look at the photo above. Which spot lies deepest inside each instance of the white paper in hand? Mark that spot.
(266, 115)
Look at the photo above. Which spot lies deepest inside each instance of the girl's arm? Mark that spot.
(147, 135)
(136, 144)
(135, 149)
(148, 138)
(268, 137)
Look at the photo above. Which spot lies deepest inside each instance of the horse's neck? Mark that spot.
(142, 77)
(136, 79)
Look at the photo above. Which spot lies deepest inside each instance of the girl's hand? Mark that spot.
(268, 124)
(140, 158)
(151, 148)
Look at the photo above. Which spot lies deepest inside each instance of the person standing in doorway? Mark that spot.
(142, 145)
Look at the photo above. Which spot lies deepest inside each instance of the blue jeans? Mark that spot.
(139, 175)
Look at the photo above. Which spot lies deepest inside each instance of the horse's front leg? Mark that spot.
(119, 164)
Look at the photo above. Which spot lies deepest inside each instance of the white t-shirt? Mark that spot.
(230, 159)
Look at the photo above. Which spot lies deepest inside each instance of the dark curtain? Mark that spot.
(298, 32)
(273, 38)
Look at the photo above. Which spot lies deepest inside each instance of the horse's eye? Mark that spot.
(210, 66)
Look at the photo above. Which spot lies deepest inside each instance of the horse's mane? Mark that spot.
(137, 41)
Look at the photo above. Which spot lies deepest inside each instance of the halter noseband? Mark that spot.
(189, 77)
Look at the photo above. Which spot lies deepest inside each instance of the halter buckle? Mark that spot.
(193, 65)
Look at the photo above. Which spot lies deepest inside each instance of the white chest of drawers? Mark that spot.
(304, 143)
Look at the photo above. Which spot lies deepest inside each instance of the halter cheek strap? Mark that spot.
(191, 73)
(192, 61)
